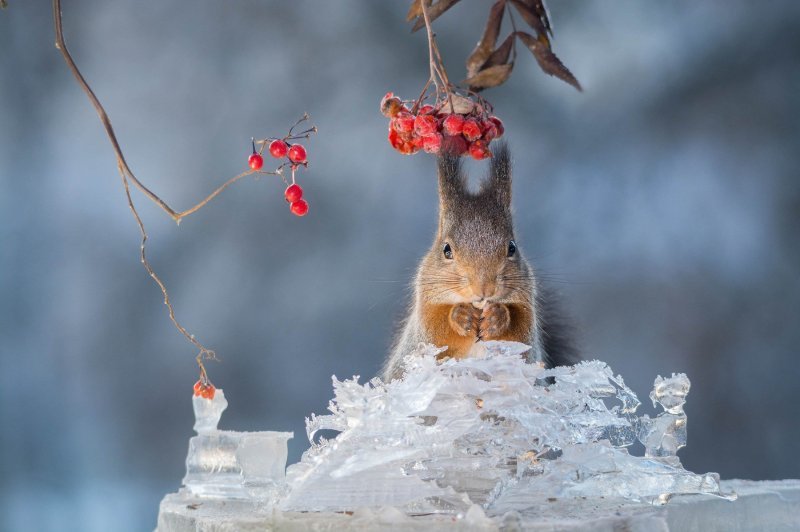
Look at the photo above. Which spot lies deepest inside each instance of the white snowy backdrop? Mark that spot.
(663, 203)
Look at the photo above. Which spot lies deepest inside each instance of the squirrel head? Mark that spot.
(475, 258)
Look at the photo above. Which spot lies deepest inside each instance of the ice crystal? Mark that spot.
(491, 430)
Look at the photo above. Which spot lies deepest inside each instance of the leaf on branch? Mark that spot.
(548, 62)
(501, 55)
(434, 12)
(537, 21)
(490, 77)
(541, 11)
(461, 105)
(415, 10)
(485, 46)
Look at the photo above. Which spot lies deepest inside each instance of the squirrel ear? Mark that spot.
(451, 181)
(499, 183)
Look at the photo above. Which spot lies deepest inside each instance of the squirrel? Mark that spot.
(474, 283)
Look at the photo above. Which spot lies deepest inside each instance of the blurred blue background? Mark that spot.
(663, 203)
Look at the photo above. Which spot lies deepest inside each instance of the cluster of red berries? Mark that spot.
(296, 154)
(205, 390)
(435, 131)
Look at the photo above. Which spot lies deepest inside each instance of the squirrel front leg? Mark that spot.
(465, 319)
(454, 326)
(495, 321)
(506, 322)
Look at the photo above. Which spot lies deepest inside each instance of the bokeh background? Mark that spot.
(663, 203)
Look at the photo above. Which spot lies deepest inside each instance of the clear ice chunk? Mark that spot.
(230, 464)
(479, 438)
(664, 435)
(491, 431)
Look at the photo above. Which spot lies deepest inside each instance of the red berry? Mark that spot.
(278, 149)
(454, 145)
(425, 109)
(297, 154)
(471, 130)
(425, 125)
(408, 147)
(479, 150)
(432, 143)
(255, 161)
(299, 207)
(418, 141)
(204, 390)
(390, 105)
(489, 130)
(394, 138)
(293, 193)
(453, 124)
(499, 124)
(403, 122)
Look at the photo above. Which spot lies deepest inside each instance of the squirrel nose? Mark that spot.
(486, 288)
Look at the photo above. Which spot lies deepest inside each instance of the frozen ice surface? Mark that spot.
(230, 464)
(493, 431)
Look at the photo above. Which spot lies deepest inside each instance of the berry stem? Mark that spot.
(435, 58)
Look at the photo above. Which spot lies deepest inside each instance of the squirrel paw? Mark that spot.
(495, 320)
(465, 319)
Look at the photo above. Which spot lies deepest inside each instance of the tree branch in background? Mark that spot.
(128, 177)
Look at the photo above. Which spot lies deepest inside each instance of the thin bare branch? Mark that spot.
(61, 45)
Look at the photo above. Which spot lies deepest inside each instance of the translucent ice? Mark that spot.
(664, 435)
(229, 464)
(492, 431)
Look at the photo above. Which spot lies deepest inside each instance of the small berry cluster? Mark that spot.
(204, 389)
(296, 155)
(432, 129)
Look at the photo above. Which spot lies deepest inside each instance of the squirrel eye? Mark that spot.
(512, 248)
(448, 252)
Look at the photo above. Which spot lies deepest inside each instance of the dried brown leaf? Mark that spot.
(415, 9)
(533, 19)
(490, 77)
(541, 11)
(547, 60)
(485, 46)
(461, 105)
(434, 12)
(502, 54)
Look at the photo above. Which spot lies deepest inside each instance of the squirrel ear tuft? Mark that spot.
(451, 181)
(499, 183)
